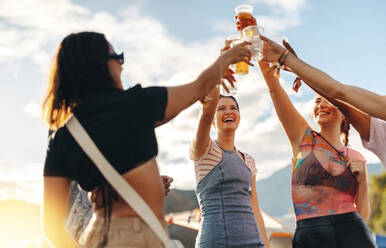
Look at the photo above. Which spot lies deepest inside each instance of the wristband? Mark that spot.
(283, 57)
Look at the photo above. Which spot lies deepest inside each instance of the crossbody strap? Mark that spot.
(123, 188)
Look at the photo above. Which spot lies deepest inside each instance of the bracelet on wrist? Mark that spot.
(283, 57)
(276, 66)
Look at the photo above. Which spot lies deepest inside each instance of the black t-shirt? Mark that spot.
(121, 123)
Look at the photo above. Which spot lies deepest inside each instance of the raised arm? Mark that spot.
(181, 97)
(366, 101)
(54, 212)
(201, 139)
(293, 122)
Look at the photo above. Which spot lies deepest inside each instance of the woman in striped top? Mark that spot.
(225, 180)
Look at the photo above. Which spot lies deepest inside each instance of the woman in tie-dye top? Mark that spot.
(329, 180)
(225, 181)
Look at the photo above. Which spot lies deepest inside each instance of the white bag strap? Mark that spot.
(123, 188)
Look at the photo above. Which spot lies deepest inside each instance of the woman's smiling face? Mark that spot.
(325, 112)
(227, 117)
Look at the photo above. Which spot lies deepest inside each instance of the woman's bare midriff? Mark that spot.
(146, 180)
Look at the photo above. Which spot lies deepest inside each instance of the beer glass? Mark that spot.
(244, 16)
(240, 67)
(251, 34)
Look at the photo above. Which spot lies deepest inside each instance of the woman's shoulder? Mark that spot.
(212, 151)
(137, 87)
(151, 90)
(213, 148)
(136, 90)
(250, 162)
(58, 135)
(248, 157)
(55, 164)
(355, 155)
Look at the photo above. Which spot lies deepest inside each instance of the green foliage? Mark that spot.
(377, 222)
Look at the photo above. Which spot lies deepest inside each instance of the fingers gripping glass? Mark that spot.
(118, 57)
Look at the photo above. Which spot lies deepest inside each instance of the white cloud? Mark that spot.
(152, 57)
(42, 14)
(30, 191)
(276, 25)
(20, 180)
(271, 24)
(285, 14)
(289, 6)
(13, 169)
(32, 108)
(28, 29)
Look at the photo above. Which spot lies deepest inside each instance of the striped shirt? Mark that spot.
(212, 157)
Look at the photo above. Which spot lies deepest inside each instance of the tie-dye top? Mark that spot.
(322, 184)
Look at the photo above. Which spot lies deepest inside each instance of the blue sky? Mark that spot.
(170, 43)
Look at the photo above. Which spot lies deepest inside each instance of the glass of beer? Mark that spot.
(251, 34)
(241, 68)
(244, 16)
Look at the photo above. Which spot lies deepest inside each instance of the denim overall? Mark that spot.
(224, 198)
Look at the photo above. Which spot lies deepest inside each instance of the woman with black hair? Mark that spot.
(85, 81)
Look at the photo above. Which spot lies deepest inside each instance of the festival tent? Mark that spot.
(279, 235)
(381, 240)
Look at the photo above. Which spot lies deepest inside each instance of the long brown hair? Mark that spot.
(80, 64)
(345, 130)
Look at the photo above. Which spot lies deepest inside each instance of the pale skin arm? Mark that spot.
(209, 104)
(257, 213)
(364, 100)
(201, 140)
(181, 97)
(362, 200)
(54, 211)
(367, 101)
(293, 122)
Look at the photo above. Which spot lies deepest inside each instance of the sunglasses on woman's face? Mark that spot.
(118, 57)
